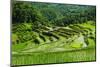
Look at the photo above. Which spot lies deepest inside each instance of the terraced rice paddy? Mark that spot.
(73, 43)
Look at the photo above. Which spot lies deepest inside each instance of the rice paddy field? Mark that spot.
(63, 44)
(49, 33)
(55, 57)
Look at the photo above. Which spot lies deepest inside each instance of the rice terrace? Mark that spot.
(46, 33)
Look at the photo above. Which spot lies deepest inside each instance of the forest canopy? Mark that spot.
(51, 14)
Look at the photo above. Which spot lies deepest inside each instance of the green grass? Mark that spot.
(54, 57)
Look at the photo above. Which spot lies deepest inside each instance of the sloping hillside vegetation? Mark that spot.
(52, 30)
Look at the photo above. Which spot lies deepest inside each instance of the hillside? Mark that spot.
(50, 31)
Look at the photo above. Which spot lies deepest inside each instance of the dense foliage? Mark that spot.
(51, 14)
